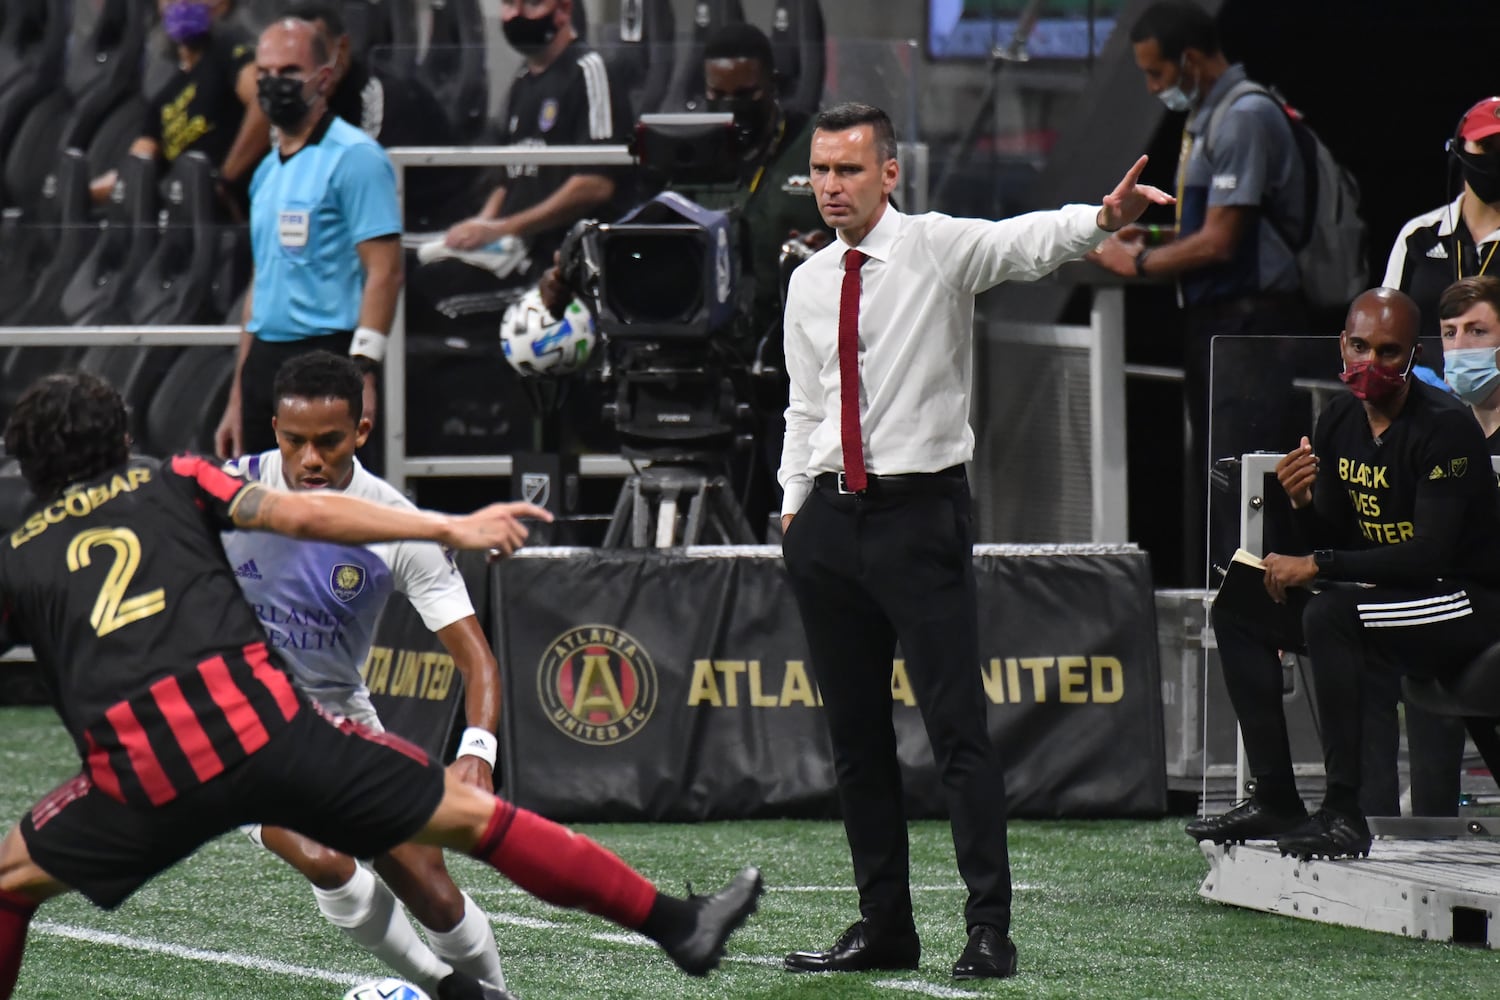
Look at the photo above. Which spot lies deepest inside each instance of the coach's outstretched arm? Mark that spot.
(332, 517)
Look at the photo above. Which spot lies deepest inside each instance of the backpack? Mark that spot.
(1332, 248)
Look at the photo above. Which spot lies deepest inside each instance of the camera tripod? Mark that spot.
(653, 496)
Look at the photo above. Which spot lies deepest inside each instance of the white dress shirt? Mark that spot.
(916, 327)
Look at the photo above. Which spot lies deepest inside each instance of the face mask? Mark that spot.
(529, 35)
(1372, 383)
(1174, 97)
(186, 21)
(752, 120)
(1471, 373)
(282, 101)
(1482, 173)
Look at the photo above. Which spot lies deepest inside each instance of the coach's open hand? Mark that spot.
(1130, 199)
(497, 527)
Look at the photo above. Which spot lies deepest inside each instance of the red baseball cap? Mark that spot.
(1482, 120)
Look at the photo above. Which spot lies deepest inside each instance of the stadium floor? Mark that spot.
(1103, 909)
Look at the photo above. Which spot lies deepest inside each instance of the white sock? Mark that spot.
(365, 909)
(470, 946)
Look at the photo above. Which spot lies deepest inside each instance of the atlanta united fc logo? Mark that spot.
(597, 685)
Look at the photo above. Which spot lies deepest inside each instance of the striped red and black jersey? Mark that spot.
(160, 668)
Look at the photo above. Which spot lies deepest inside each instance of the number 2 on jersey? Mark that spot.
(113, 609)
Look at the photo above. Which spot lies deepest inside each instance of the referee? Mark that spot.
(325, 231)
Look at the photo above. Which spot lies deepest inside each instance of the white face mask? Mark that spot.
(1173, 97)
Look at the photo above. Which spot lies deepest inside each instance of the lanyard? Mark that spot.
(1183, 154)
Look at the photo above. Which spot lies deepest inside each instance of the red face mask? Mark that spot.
(1372, 383)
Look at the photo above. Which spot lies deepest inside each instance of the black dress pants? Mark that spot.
(896, 565)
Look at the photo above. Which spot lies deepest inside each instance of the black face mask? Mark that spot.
(1482, 173)
(282, 101)
(529, 35)
(753, 118)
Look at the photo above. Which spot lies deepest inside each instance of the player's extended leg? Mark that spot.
(419, 878)
(568, 869)
(23, 887)
(352, 899)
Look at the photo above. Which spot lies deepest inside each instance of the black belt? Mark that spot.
(947, 481)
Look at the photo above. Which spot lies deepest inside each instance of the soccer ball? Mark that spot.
(537, 344)
(386, 989)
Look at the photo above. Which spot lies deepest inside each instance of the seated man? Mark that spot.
(1393, 493)
(563, 97)
(209, 106)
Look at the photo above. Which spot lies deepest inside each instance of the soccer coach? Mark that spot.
(325, 230)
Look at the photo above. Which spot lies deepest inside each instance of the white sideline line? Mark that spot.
(926, 989)
(510, 890)
(253, 962)
(530, 923)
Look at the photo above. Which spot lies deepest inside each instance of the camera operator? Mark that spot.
(773, 199)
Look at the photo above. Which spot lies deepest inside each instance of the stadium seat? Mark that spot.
(799, 44)
(389, 29)
(685, 93)
(111, 140)
(15, 495)
(175, 284)
(1473, 693)
(134, 371)
(100, 282)
(453, 65)
(184, 409)
(32, 43)
(28, 246)
(20, 366)
(67, 183)
(642, 53)
(580, 21)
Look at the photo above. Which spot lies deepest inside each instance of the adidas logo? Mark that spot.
(1438, 252)
(1437, 473)
(248, 570)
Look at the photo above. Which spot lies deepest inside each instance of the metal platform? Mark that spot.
(1437, 890)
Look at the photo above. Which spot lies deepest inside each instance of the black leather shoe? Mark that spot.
(857, 950)
(1248, 821)
(719, 916)
(1329, 835)
(988, 955)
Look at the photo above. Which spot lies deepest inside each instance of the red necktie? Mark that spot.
(854, 451)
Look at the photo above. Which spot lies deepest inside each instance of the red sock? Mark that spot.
(564, 868)
(15, 915)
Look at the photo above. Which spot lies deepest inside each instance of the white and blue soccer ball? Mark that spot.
(386, 989)
(537, 344)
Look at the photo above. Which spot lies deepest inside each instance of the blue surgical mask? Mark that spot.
(1174, 97)
(1471, 372)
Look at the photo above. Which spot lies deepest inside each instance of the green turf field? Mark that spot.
(1103, 909)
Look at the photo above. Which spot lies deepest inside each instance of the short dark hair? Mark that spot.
(321, 375)
(318, 10)
(740, 41)
(1466, 293)
(849, 115)
(67, 428)
(1177, 25)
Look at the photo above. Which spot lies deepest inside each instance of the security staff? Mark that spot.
(324, 230)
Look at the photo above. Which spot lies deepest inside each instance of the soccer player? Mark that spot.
(319, 604)
(188, 725)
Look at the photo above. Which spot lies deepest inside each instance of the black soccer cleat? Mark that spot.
(717, 917)
(461, 986)
(1247, 821)
(1329, 835)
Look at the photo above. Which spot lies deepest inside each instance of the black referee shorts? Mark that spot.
(343, 785)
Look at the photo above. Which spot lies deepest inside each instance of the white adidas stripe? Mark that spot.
(596, 80)
(1413, 612)
(1429, 620)
(1392, 605)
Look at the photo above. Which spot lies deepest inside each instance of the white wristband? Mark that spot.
(368, 343)
(479, 743)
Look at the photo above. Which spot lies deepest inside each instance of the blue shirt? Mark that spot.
(308, 213)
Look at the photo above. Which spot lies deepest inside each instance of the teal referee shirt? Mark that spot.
(308, 212)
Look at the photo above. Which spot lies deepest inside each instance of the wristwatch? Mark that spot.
(1140, 263)
(1323, 558)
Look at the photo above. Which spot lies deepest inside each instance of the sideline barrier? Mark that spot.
(673, 686)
